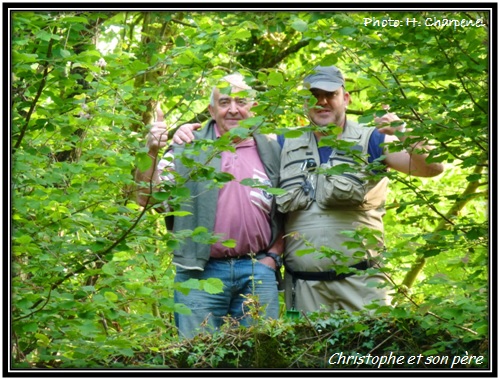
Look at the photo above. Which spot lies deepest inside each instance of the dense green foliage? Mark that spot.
(91, 277)
(325, 341)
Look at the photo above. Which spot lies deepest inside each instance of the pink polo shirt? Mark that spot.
(243, 213)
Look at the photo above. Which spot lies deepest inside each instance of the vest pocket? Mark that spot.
(292, 182)
(293, 200)
(346, 191)
(299, 160)
(295, 180)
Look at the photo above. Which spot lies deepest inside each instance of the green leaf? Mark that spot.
(122, 256)
(253, 121)
(474, 177)
(76, 20)
(143, 161)
(64, 53)
(358, 327)
(241, 34)
(172, 245)
(347, 31)
(30, 327)
(250, 182)
(275, 191)
(161, 196)
(139, 65)
(110, 296)
(108, 269)
(144, 291)
(192, 283)
(126, 352)
(291, 134)
(275, 78)
(180, 42)
(365, 119)
(307, 251)
(213, 285)
(25, 239)
(186, 58)
(88, 328)
(180, 192)
(182, 309)
(43, 340)
(430, 352)
(45, 36)
(231, 243)
(200, 230)
(432, 252)
(299, 25)
(178, 213)
(18, 57)
(241, 132)
(329, 60)
(470, 161)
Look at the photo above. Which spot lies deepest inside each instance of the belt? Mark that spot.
(329, 275)
(247, 256)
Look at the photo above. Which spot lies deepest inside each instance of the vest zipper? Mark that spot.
(353, 177)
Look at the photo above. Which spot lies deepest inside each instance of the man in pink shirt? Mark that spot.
(241, 213)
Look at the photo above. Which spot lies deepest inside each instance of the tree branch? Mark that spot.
(83, 266)
(400, 88)
(450, 62)
(37, 97)
(471, 188)
(290, 50)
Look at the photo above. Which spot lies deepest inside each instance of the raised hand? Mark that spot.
(158, 134)
(387, 123)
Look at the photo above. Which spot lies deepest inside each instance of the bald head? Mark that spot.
(236, 82)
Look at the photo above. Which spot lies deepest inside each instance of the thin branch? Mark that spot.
(471, 188)
(182, 23)
(418, 194)
(37, 97)
(83, 266)
(400, 87)
(290, 50)
(450, 62)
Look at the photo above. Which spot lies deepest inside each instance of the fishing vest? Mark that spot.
(343, 182)
(203, 202)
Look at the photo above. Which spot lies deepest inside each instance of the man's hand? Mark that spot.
(387, 123)
(184, 133)
(158, 134)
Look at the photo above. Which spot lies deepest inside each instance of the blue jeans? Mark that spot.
(208, 310)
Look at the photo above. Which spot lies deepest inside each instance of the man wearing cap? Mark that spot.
(331, 194)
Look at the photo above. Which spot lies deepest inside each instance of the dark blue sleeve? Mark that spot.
(281, 140)
(374, 148)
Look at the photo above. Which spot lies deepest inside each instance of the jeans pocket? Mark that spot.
(266, 266)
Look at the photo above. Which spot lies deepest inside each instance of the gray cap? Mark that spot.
(326, 78)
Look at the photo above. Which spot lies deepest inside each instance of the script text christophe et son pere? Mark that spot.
(339, 358)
